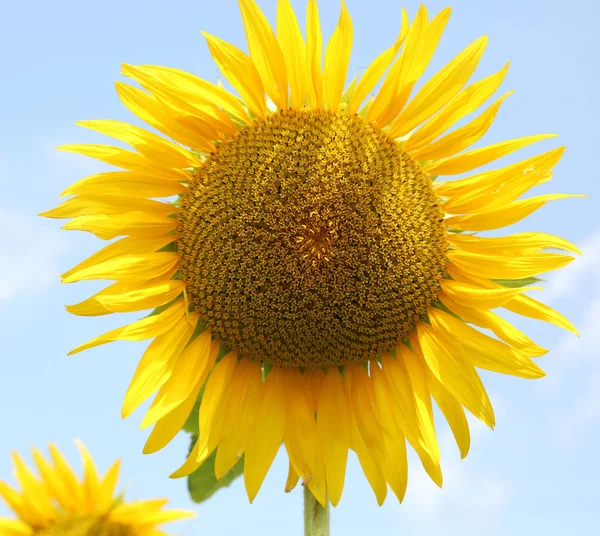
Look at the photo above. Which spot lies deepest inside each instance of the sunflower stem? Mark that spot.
(316, 518)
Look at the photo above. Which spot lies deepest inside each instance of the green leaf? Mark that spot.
(517, 283)
(202, 483)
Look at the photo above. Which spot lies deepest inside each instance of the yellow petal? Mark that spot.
(193, 366)
(412, 417)
(503, 267)
(494, 189)
(127, 268)
(460, 378)
(33, 491)
(115, 156)
(194, 133)
(181, 108)
(91, 482)
(106, 492)
(157, 364)
(122, 247)
(402, 75)
(396, 464)
(52, 481)
(197, 90)
(337, 59)
(292, 478)
(514, 245)
(294, 52)
(14, 527)
(480, 350)
(108, 204)
(482, 156)
(211, 412)
(241, 73)
(376, 69)
(526, 306)
(145, 296)
(449, 406)
(300, 436)
(502, 217)
(152, 146)
(267, 433)
(460, 106)
(417, 378)
(134, 223)
(440, 89)
(462, 137)
(68, 478)
(366, 435)
(239, 416)
(314, 51)
(265, 53)
(501, 328)
(171, 424)
(523, 305)
(128, 184)
(333, 424)
(478, 298)
(146, 328)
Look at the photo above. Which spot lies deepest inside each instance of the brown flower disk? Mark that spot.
(311, 239)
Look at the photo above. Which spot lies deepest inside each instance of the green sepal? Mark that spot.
(517, 283)
(203, 484)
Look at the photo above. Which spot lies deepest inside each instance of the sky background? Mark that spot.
(537, 473)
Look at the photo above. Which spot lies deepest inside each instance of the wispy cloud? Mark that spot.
(29, 251)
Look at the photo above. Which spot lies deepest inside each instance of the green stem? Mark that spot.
(316, 518)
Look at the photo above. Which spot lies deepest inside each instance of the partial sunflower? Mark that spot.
(57, 504)
(310, 276)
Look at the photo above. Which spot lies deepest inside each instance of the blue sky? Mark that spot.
(535, 474)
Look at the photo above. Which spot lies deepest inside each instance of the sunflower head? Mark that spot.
(310, 274)
(57, 503)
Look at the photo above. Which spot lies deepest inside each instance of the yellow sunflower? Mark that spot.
(308, 273)
(57, 504)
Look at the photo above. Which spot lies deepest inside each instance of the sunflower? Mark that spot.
(309, 274)
(58, 504)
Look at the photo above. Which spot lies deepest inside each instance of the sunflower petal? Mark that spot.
(211, 414)
(333, 424)
(240, 71)
(146, 328)
(152, 146)
(337, 59)
(376, 69)
(502, 267)
(482, 156)
(480, 350)
(294, 52)
(505, 216)
(460, 378)
(478, 298)
(461, 105)
(157, 365)
(440, 89)
(314, 51)
(462, 137)
(265, 53)
(267, 433)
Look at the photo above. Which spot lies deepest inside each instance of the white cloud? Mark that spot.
(29, 253)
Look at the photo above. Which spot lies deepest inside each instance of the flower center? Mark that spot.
(86, 526)
(311, 239)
